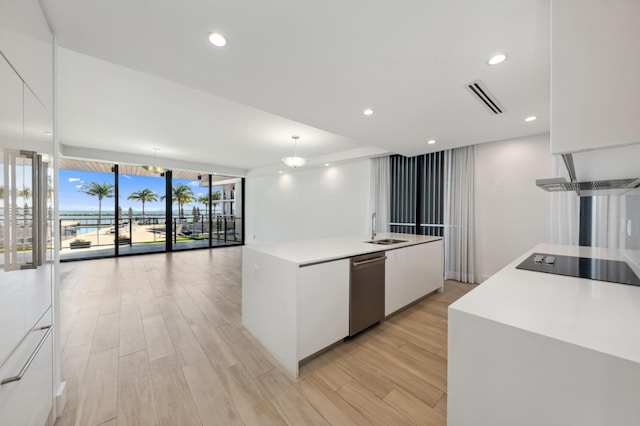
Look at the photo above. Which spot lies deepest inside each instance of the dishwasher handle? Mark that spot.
(367, 262)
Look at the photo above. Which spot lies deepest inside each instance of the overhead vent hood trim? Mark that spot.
(481, 92)
(596, 187)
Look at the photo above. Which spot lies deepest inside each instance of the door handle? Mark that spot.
(33, 355)
(366, 262)
(14, 160)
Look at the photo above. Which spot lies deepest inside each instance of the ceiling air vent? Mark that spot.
(480, 91)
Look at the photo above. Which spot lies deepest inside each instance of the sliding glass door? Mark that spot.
(87, 211)
(141, 210)
(205, 210)
(113, 209)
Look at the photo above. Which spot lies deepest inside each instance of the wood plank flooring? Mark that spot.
(158, 340)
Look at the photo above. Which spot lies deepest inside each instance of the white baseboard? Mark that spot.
(61, 398)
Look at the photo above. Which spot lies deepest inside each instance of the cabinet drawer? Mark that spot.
(29, 400)
(37, 293)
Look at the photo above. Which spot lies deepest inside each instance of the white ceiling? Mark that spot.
(296, 67)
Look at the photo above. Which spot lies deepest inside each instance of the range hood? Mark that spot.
(598, 172)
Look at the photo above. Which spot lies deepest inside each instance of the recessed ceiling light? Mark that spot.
(531, 118)
(327, 164)
(367, 111)
(280, 171)
(431, 142)
(497, 59)
(217, 39)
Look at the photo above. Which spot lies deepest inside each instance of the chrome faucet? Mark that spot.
(373, 225)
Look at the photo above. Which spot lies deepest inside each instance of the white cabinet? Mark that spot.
(425, 269)
(295, 296)
(27, 401)
(395, 278)
(12, 320)
(411, 273)
(27, 42)
(323, 306)
(26, 244)
(595, 63)
(26, 226)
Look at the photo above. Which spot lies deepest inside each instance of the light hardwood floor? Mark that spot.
(158, 340)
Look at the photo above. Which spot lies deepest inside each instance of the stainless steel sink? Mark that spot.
(386, 241)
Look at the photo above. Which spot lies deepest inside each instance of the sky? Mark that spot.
(71, 198)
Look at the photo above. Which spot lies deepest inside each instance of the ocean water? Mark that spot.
(90, 217)
(109, 213)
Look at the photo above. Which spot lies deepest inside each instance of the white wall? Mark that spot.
(308, 203)
(512, 213)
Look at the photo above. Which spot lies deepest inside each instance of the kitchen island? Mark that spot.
(295, 295)
(532, 348)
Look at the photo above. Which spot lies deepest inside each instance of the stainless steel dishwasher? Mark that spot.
(366, 294)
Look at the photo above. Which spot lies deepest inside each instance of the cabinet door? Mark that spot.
(38, 207)
(25, 267)
(323, 306)
(424, 271)
(395, 276)
(12, 295)
(418, 267)
(411, 273)
(26, 41)
(595, 63)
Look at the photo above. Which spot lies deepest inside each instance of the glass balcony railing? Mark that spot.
(83, 236)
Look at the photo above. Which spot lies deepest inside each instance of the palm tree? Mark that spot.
(215, 196)
(203, 200)
(101, 191)
(143, 196)
(25, 193)
(182, 195)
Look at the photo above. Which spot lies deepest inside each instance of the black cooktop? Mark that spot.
(613, 271)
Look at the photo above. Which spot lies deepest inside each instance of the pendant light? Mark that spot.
(155, 168)
(295, 161)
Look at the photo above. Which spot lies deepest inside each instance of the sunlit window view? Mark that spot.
(108, 210)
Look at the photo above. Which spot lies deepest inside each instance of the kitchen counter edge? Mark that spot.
(313, 252)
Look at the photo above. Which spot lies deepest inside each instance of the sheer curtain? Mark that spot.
(459, 230)
(380, 191)
(609, 222)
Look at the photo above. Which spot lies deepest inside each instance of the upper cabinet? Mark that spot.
(38, 124)
(595, 69)
(27, 43)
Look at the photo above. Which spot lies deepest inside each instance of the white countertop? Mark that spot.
(597, 315)
(321, 250)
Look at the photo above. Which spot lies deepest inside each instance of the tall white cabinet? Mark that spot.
(595, 63)
(26, 215)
